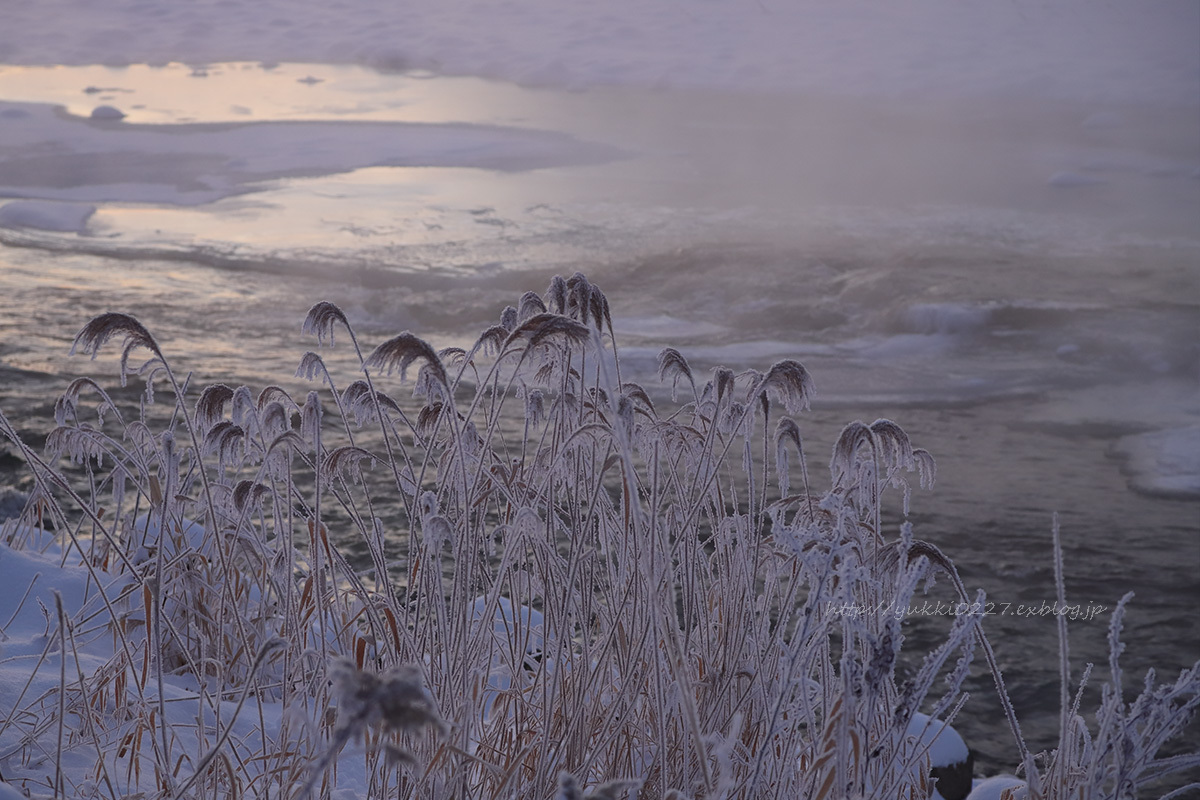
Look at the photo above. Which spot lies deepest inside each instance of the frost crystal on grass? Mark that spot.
(593, 591)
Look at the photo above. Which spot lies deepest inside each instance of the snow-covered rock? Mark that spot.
(993, 788)
(951, 762)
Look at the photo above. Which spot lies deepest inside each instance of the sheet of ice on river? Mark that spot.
(49, 155)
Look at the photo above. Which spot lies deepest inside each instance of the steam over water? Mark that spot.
(1015, 283)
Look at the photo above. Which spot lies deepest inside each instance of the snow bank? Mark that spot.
(1125, 50)
(35, 569)
(30, 576)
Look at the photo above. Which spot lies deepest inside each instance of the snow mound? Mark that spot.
(46, 215)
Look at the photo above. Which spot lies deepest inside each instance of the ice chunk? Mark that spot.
(46, 215)
(107, 113)
(1164, 463)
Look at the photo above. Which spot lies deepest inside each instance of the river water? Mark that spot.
(1016, 283)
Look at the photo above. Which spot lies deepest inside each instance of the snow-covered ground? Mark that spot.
(41, 580)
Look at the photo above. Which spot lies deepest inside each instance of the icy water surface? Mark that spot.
(1018, 285)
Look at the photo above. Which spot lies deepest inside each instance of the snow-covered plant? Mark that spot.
(533, 578)
(1120, 757)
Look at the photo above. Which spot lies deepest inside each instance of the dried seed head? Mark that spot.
(277, 394)
(431, 383)
(357, 397)
(723, 379)
(786, 430)
(535, 407)
(895, 448)
(279, 452)
(96, 333)
(926, 467)
(310, 418)
(400, 351)
(556, 295)
(243, 409)
(544, 326)
(275, 419)
(636, 393)
(452, 356)
(347, 460)
(733, 420)
(584, 301)
(247, 492)
(883, 656)
(436, 532)
(397, 699)
(210, 408)
(227, 441)
(600, 312)
(429, 504)
(492, 340)
(321, 320)
(530, 306)
(790, 382)
(311, 365)
(66, 406)
(402, 700)
(78, 443)
(845, 452)
(672, 364)
(427, 418)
